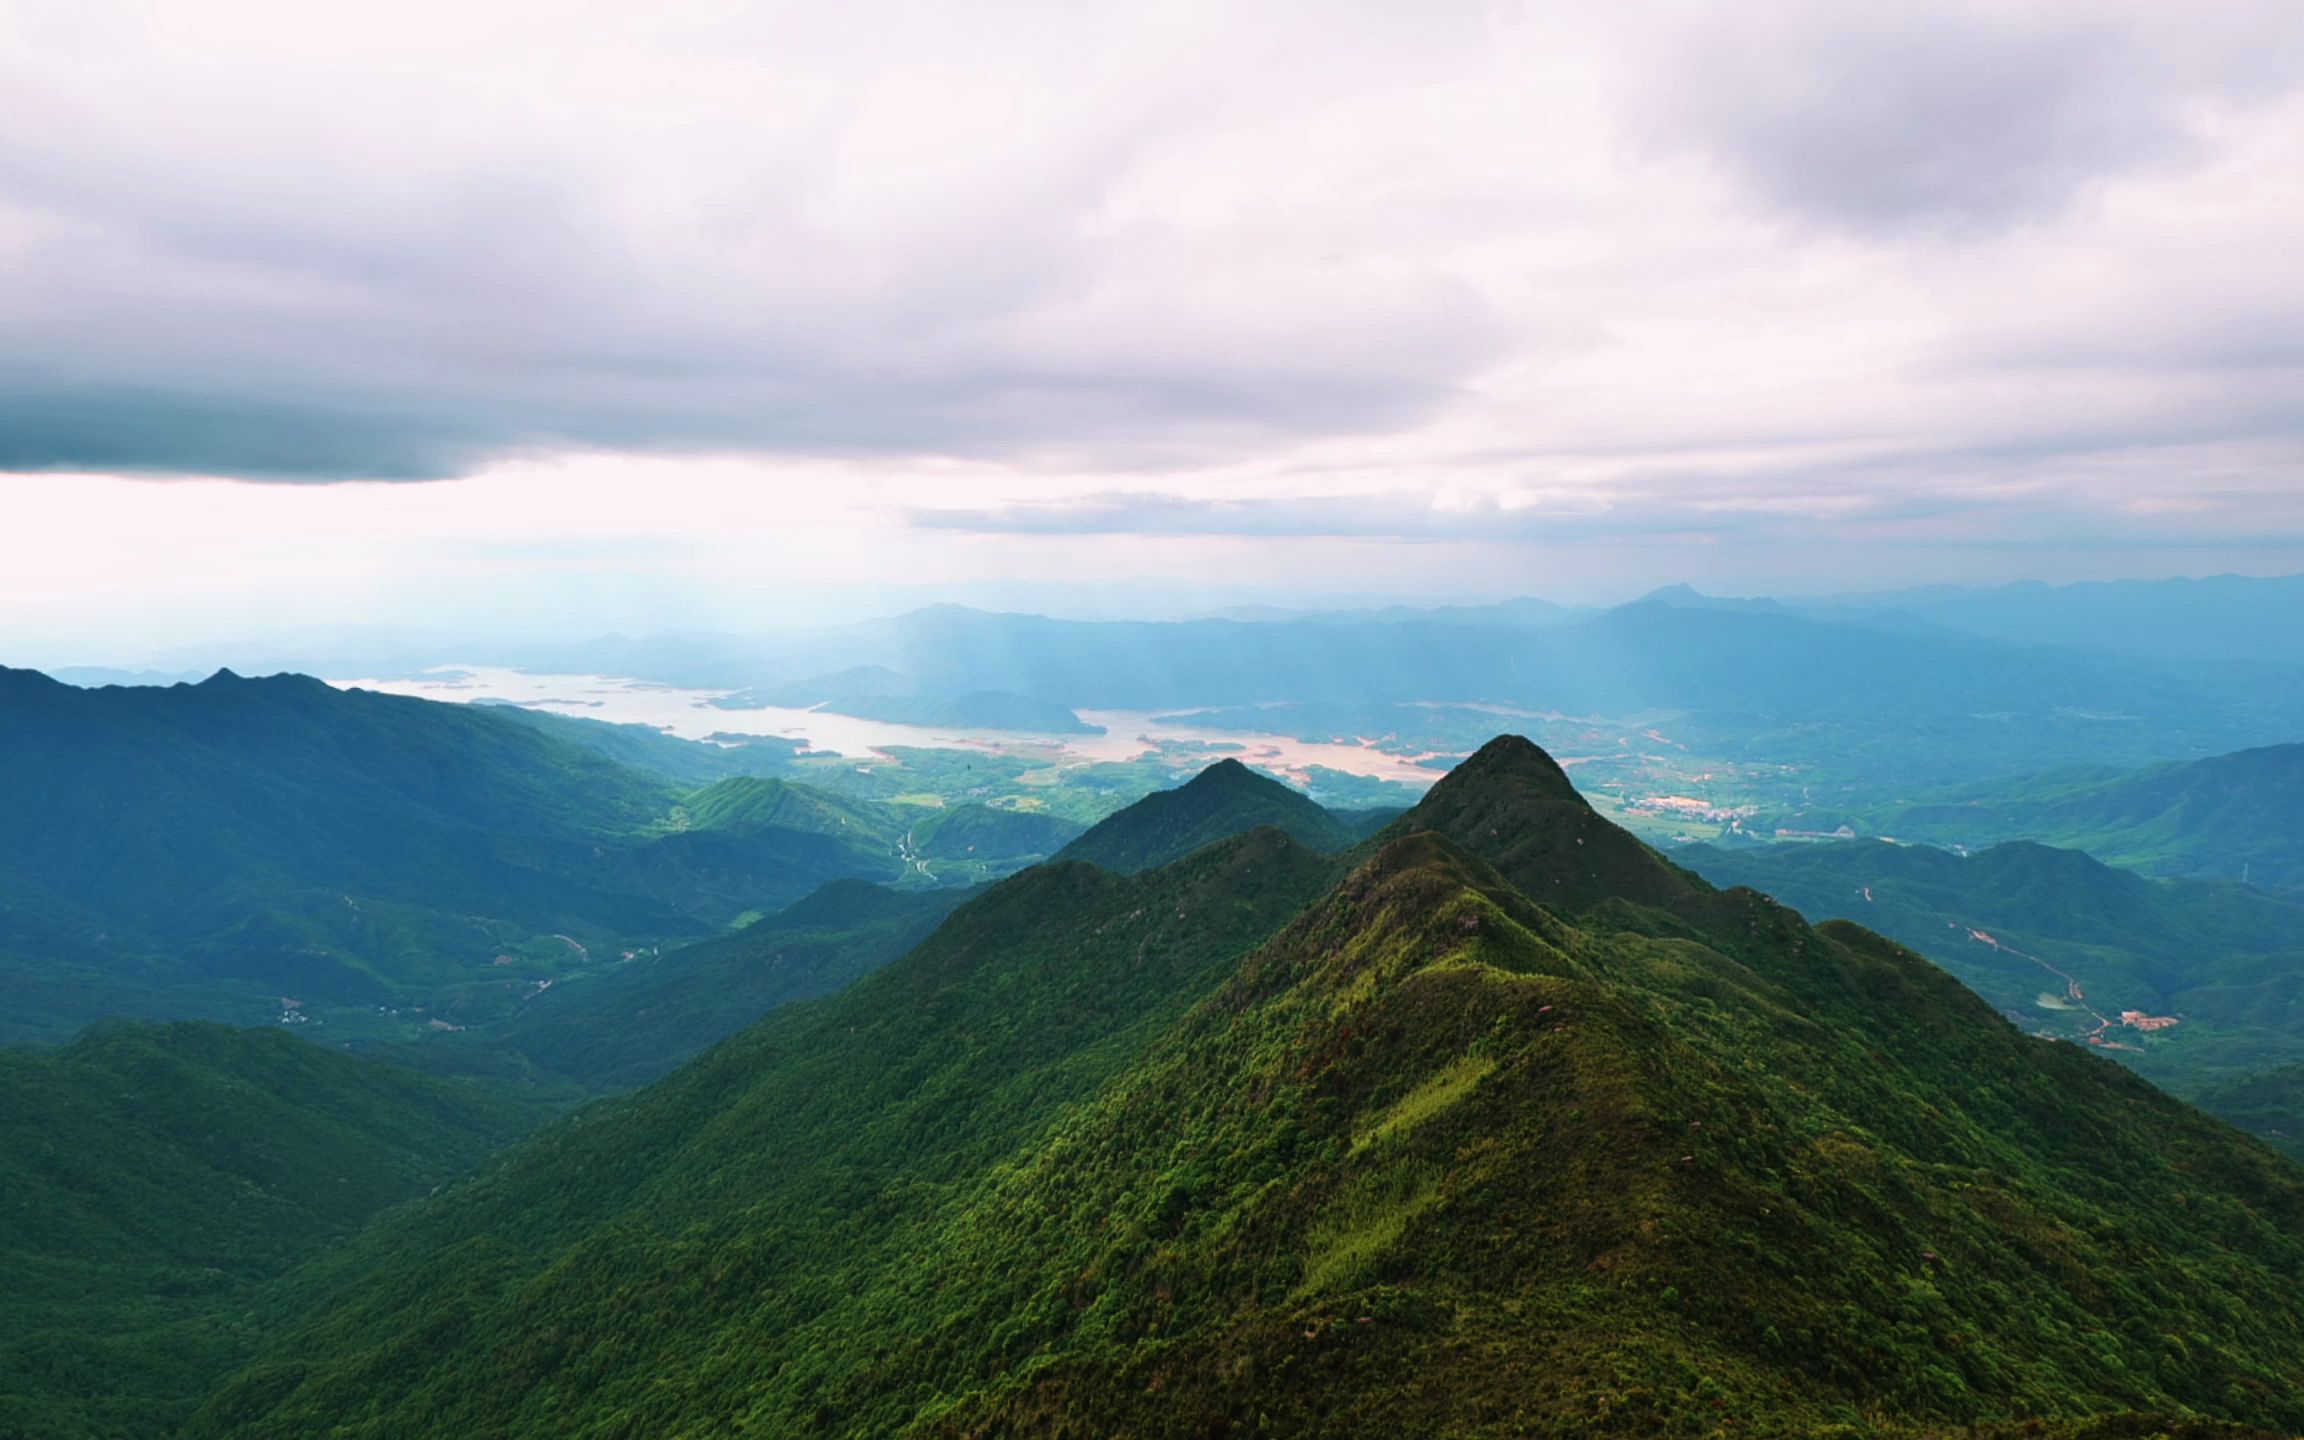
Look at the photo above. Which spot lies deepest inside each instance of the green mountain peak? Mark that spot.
(1223, 800)
(1514, 805)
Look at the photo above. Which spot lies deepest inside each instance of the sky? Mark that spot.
(562, 316)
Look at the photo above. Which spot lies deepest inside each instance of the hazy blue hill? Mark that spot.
(1523, 611)
(2233, 617)
(282, 835)
(2226, 960)
(686, 763)
(627, 1025)
(1852, 697)
(2224, 817)
(1848, 699)
(875, 692)
(1225, 799)
(1141, 1154)
(152, 1176)
(205, 850)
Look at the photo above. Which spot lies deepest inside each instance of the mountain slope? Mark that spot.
(2064, 945)
(240, 849)
(2229, 817)
(238, 840)
(1528, 1181)
(820, 1138)
(962, 832)
(154, 1175)
(2269, 1104)
(1225, 799)
(628, 1025)
(685, 763)
(1433, 1159)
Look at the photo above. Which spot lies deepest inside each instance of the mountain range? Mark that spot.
(2226, 817)
(2195, 984)
(258, 849)
(1498, 1123)
(633, 1022)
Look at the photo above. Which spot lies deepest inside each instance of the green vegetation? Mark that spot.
(2269, 1104)
(151, 1177)
(2232, 817)
(2023, 924)
(621, 1027)
(382, 869)
(687, 764)
(1262, 1142)
(1226, 799)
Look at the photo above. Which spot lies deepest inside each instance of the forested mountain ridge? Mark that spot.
(1225, 799)
(1434, 1158)
(263, 849)
(152, 1176)
(632, 1023)
(2192, 982)
(2228, 817)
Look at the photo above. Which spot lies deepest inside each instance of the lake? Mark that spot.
(691, 715)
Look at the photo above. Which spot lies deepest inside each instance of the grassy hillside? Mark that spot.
(153, 1176)
(2231, 817)
(965, 832)
(1225, 799)
(1109, 1155)
(2064, 945)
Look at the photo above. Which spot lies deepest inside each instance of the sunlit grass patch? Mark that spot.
(1444, 1089)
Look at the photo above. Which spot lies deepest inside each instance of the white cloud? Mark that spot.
(1762, 279)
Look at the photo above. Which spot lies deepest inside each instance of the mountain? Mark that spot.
(1522, 611)
(231, 842)
(627, 1025)
(1688, 597)
(1225, 799)
(875, 692)
(970, 831)
(247, 849)
(688, 764)
(2269, 1103)
(2225, 617)
(154, 1176)
(2065, 945)
(1266, 1142)
(2229, 817)
(753, 842)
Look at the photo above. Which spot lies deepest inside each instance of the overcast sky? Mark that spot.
(598, 315)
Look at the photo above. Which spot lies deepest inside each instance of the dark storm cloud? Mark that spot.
(123, 430)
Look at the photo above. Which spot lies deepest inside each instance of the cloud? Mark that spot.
(1316, 278)
(288, 246)
(1964, 117)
